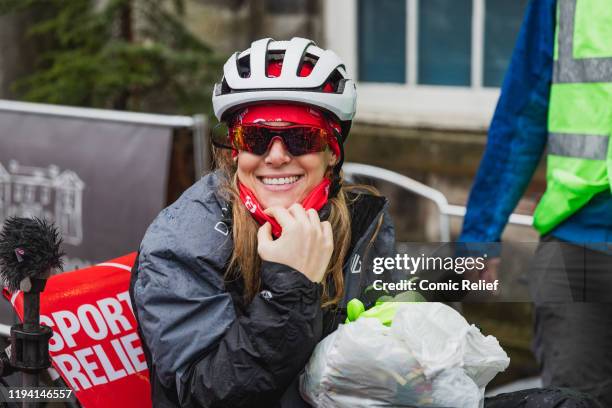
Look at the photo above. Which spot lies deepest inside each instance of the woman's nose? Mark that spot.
(277, 154)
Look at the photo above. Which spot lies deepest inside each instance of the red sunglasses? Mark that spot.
(256, 139)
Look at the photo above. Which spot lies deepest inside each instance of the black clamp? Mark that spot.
(30, 348)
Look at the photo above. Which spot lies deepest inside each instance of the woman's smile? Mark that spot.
(280, 182)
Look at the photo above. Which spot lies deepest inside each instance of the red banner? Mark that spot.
(95, 346)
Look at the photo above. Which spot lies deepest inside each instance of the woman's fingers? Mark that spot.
(296, 216)
(328, 235)
(299, 213)
(264, 234)
(281, 215)
(306, 244)
(314, 219)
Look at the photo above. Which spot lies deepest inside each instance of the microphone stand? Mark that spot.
(29, 252)
(30, 340)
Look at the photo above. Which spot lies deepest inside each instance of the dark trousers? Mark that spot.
(571, 288)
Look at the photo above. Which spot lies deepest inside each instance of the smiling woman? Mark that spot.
(277, 176)
(239, 279)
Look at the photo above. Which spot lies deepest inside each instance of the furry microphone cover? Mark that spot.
(29, 247)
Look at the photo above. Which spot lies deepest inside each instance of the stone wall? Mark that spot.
(232, 25)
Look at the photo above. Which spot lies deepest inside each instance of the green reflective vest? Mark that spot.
(580, 112)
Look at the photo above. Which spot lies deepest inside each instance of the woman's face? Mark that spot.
(279, 179)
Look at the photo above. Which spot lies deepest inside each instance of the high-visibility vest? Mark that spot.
(579, 161)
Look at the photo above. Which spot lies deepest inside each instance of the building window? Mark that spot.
(425, 63)
(502, 23)
(445, 37)
(464, 43)
(382, 41)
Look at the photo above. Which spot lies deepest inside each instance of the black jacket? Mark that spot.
(204, 346)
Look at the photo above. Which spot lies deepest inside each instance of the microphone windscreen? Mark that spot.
(29, 247)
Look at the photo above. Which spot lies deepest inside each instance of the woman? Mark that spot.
(240, 278)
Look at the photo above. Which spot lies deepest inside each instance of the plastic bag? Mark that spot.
(440, 338)
(362, 365)
(429, 357)
(454, 388)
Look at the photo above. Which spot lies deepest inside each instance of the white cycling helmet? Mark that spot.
(246, 81)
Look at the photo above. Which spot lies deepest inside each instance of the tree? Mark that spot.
(120, 54)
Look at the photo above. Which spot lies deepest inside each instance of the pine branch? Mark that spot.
(122, 56)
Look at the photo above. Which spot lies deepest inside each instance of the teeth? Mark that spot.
(280, 180)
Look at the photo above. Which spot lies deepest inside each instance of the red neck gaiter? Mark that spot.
(316, 200)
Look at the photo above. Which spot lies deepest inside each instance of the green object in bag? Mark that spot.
(354, 308)
(385, 308)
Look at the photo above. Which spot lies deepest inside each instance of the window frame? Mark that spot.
(410, 104)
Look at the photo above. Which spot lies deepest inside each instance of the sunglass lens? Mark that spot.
(255, 139)
(304, 140)
(298, 140)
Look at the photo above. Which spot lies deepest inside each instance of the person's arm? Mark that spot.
(198, 344)
(517, 134)
(215, 358)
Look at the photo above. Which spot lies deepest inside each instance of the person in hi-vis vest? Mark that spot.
(556, 100)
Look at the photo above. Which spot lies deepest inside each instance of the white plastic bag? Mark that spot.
(454, 388)
(433, 332)
(429, 357)
(362, 365)
(440, 338)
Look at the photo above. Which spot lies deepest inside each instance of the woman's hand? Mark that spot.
(306, 243)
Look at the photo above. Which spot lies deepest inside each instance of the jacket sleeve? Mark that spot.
(263, 350)
(382, 246)
(197, 342)
(517, 134)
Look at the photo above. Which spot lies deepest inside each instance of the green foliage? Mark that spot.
(121, 54)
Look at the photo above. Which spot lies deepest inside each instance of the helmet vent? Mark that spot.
(334, 79)
(309, 59)
(274, 57)
(244, 66)
(225, 88)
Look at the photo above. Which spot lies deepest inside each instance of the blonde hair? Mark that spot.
(245, 262)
